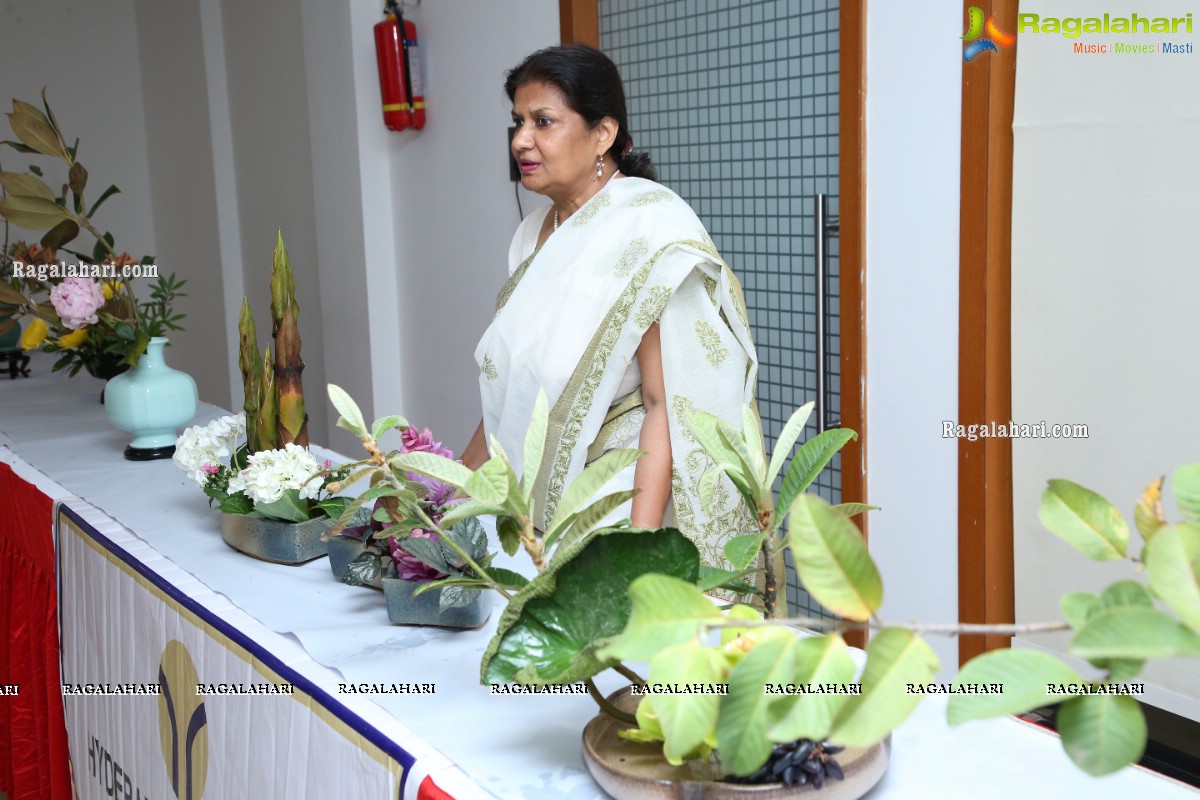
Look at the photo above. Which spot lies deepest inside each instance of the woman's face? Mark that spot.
(553, 146)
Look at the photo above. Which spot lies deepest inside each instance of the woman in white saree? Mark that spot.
(618, 306)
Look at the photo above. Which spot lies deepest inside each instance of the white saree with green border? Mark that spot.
(569, 321)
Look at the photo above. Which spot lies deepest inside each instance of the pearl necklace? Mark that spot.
(602, 188)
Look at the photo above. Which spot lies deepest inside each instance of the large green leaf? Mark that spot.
(1084, 520)
(832, 559)
(1023, 677)
(1173, 562)
(752, 435)
(34, 130)
(490, 483)
(590, 517)
(665, 610)
(535, 441)
(787, 437)
(895, 657)
(590, 481)
(467, 509)
(1134, 632)
(821, 661)
(351, 417)
(19, 183)
(746, 712)
(551, 628)
(290, 507)
(741, 550)
(1076, 606)
(704, 427)
(1185, 485)
(34, 213)
(686, 719)
(1102, 733)
(810, 459)
(434, 466)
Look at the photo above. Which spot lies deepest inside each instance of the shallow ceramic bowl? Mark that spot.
(426, 609)
(342, 550)
(637, 770)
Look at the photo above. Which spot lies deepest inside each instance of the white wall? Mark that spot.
(913, 120)
(1104, 295)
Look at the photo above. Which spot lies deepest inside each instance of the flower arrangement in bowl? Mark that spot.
(274, 496)
(85, 312)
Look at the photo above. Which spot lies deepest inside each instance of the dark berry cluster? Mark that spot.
(796, 764)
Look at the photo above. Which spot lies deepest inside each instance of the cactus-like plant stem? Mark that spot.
(250, 362)
(268, 406)
(285, 311)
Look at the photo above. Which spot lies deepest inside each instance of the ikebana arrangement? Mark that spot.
(606, 595)
(255, 467)
(92, 322)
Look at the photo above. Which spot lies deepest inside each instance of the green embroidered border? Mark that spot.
(510, 285)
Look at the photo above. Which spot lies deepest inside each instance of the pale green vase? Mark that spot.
(151, 401)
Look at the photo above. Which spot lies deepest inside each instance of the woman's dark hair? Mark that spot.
(592, 86)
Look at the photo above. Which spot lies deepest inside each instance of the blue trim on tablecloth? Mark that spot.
(355, 722)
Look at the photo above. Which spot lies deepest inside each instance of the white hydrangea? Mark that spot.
(270, 473)
(208, 445)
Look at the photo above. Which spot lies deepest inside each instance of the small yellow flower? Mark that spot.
(35, 334)
(73, 339)
(112, 288)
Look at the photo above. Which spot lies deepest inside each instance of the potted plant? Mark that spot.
(85, 312)
(276, 499)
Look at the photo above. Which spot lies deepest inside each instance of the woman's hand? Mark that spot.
(653, 471)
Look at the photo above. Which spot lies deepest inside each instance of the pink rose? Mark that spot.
(77, 300)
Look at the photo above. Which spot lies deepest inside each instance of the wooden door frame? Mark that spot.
(580, 22)
(985, 514)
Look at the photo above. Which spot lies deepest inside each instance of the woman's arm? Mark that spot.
(653, 471)
(476, 452)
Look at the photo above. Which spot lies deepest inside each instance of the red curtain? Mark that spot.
(33, 736)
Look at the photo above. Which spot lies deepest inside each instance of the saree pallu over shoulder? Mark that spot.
(570, 319)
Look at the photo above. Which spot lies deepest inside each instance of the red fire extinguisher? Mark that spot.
(399, 71)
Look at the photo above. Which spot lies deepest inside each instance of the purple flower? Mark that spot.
(422, 442)
(77, 300)
(408, 566)
(437, 494)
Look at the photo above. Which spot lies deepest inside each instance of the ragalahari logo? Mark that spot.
(990, 33)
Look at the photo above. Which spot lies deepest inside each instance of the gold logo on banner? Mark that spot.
(182, 722)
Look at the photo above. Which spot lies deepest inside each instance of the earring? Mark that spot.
(599, 166)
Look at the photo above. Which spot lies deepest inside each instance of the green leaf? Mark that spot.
(20, 148)
(1076, 606)
(746, 474)
(1025, 677)
(427, 551)
(364, 570)
(832, 560)
(716, 578)
(508, 529)
(686, 719)
(384, 425)
(738, 612)
(236, 504)
(351, 416)
(535, 442)
(1147, 514)
(109, 192)
(489, 484)
(17, 183)
(1173, 564)
(468, 509)
(895, 657)
(34, 130)
(1185, 485)
(1102, 733)
(1084, 520)
(818, 660)
(665, 611)
(1134, 632)
(290, 507)
(752, 435)
(854, 509)
(587, 519)
(746, 712)
(507, 578)
(741, 550)
(704, 428)
(33, 213)
(787, 437)
(590, 481)
(551, 629)
(810, 459)
(332, 507)
(433, 466)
